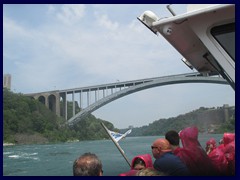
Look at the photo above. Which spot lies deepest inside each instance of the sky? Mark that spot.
(60, 46)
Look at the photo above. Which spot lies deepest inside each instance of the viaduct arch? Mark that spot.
(140, 87)
(51, 99)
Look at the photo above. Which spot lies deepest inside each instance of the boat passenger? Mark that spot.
(229, 151)
(184, 154)
(87, 164)
(200, 164)
(217, 157)
(210, 145)
(139, 162)
(166, 161)
(150, 172)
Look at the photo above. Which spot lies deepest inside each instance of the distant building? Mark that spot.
(7, 81)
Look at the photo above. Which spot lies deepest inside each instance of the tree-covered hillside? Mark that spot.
(208, 120)
(26, 120)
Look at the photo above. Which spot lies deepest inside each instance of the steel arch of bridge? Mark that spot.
(161, 81)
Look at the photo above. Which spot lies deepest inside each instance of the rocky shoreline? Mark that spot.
(19, 139)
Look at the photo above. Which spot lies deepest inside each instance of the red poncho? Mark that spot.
(229, 151)
(193, 154)
(219, 160)
(147, 158)
(211, 144)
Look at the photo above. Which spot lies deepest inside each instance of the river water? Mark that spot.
(57, 159)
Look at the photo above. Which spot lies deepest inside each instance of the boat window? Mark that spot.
(208, 56)
(225, 35)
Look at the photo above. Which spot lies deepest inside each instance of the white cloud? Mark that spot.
(13, 31)
(104, 21)
(94, 54)
(71, 13)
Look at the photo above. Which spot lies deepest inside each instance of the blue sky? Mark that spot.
(48, 47)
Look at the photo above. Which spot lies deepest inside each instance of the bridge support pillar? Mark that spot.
(64, 108)
(58, 105)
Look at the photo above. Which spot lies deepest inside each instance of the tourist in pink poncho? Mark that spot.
(217, 156)
(139, 162)
(198, 161)
(229, 151)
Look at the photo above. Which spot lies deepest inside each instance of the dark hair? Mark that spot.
(87, 164)
(139, 161)
(173, 137)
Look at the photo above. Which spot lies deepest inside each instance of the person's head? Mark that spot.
(159, 147)
(139, 164)
(228, 137)
(173, 137)
(189, 137)
(210, 145)
(221, 141)
(87, 164)
(141, 161)
(189, 132)
(150, 172)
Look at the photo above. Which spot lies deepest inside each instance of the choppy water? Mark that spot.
(57, 159)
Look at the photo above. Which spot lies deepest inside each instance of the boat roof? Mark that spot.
(192, 10)
(189, 33)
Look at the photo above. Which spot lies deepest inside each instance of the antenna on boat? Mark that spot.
(170, 10)
(147, 18)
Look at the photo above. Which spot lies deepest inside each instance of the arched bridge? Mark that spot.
(100, 95)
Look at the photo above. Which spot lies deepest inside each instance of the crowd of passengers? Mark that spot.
(171, 159)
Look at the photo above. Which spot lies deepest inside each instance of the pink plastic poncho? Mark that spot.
(219, 160)
(229, 151)
(217, 157)
(195, 157)
(147, 158)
